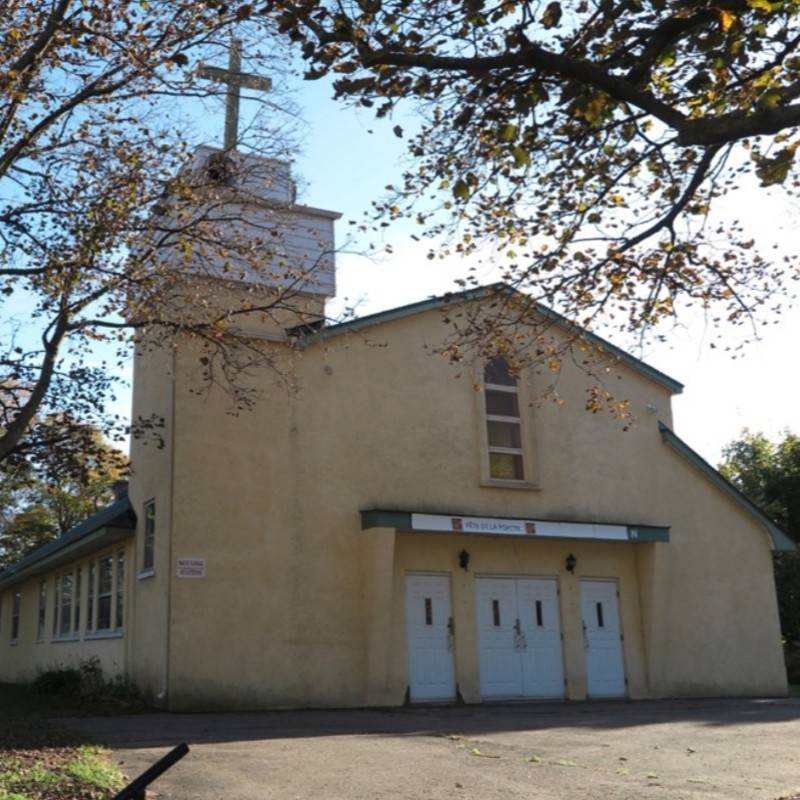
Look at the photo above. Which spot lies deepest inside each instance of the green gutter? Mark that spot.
(779, 538)
(483, 292)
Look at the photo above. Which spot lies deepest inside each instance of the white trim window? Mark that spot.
(90, 598)
(56, 604)
(119, 607)
(65, 614)
(40, 621)
(149, 539)
(77, 601)
(16, 611)
(504, 434)
(105, 587)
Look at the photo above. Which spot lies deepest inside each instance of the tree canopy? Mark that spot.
(586, 141)
(102, 214)
(39, 500)
(769, 474)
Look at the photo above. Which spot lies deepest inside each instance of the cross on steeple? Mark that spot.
(235, 79)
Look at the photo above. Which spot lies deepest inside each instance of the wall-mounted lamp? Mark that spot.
(570, 563)
(463, 560)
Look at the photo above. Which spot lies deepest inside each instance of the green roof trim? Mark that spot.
(779, 538)
(111, 524)
(480, 293)
(403, 520)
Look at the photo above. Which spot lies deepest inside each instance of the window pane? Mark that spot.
(504, 434)
(120, 587)
(149, 535)
(90, 603)
(66, 605)
(105, 575)
(42, 609)
(503, 404)
(497, 371)
(104, 613)
(506, 466)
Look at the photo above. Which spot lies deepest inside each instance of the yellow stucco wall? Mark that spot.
(293, 606)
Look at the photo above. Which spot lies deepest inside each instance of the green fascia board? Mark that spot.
(480, 293)
(781, 541)
(374, 518)
(648, 533)
(112, 523)
(401, 520)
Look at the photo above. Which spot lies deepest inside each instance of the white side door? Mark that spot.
(498, 655)
(542, 661)
(605, 672)
(430, 640)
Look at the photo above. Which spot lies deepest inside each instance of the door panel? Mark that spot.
(430, 641)
(519, 637)
(605, 671)
(542, 663)
(498, 662)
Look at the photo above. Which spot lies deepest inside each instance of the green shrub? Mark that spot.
(86, 682)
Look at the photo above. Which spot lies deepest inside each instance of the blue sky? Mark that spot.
(348, 157)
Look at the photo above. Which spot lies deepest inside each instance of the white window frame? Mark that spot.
(70, 633)
(110, 594)
(526, 451)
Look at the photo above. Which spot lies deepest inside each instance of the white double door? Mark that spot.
(602, 639)
(429, 623)
(519, 637)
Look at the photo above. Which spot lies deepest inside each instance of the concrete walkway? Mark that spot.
(674, 749)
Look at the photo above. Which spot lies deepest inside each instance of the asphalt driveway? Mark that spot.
(675, 749)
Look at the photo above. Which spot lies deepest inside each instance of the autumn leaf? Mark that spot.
(726, 19)
(552, 15)
(775, 170)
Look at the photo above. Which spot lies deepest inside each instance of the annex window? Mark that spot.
(65, 613)
(90, 598)
(16, 606)
(42, 609)
(120, 585)
(503, 422)
(77, 601)
(105, 581)
(148, 547)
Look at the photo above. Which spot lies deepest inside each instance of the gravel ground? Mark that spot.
(664, 749)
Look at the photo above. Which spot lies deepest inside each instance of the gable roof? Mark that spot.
(111, 524)
(779, 538)
(482, 293)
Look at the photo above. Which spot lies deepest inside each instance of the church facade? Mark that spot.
(398, 529)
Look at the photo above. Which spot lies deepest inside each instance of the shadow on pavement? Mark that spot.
(165, 729)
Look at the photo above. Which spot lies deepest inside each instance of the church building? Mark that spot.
(393, 528)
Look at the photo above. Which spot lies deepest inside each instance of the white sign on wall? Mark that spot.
(518, 527)
(191, 567)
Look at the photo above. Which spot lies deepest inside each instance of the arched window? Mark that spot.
(503, 422)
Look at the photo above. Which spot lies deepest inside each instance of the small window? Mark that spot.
(503, 422)
(105, 580)
(148, 550)
(16, 608)
(539, 615)
(496, 613)
(119, 610)
(65, 623)
(42, 609)
(600, 623)
(428, 611)
(76, 627)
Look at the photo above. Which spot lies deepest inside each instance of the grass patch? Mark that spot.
(39, 760)
(794, 690)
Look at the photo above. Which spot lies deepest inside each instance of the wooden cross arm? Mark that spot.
(219, 75)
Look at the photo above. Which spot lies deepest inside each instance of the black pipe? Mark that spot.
(136, 788)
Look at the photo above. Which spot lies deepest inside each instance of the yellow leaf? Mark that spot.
(726, 19)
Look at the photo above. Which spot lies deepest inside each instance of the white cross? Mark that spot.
(234, 79)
